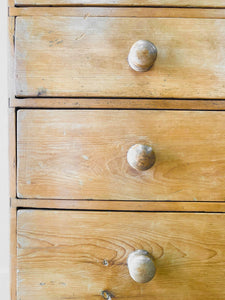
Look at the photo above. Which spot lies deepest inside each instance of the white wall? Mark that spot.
(4, 199)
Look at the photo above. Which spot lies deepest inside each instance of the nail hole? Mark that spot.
(105, 262)
(106, 295)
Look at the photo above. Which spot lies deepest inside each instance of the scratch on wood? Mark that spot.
(41, 92)
(81, 36)
(86, 16)
(55, 42)
(85, 157)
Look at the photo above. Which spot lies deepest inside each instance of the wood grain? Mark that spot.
(77, 255)
(11, 58)
(159, 206)
(13, 253)
(82, 57)
(175, 3)
(81, 154)
(176, 104)
(11, 3)
(145, 12)
(12, 151)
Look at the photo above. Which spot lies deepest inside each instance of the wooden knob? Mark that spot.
(141, 157)
(140, 266)
(142, 56)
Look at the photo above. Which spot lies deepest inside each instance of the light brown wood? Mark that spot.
(11, 3)
(72, 56)
(65, 254)
(78, 255)
(146, 12)
(175, 3)
(81, 154)
(121, 205)
(13, 253)
(12, 152)
(11, 58)
(118, 103)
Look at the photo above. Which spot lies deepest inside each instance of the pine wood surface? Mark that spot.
(12, 151)
(75, 249)
(175, 104)
(146, 12)
(11, 58)
(13, 253)
(82, 57)
(81, 154)
(78, 255)
(175, 3)
(120, 205)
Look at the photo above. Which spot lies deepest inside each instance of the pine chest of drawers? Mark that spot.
(117, 149)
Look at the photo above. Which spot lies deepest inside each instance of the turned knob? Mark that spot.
(141, 157)
(140, 266)
(142, 56)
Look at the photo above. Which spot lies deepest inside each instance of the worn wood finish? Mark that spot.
(72, 56)
(11, 58)
(145, 12)
(78, 255)
(118, 103)
(175, 3)
(81, 154)
(12, 152)
(13, 253)
(11, 3)
(164, 206)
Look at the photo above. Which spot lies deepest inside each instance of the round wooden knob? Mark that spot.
(142, 56)
(140, 266)
(141, 157)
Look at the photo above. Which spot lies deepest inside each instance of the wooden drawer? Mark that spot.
(82, 154)
(78, 255)
(76, 56)
(182, 3)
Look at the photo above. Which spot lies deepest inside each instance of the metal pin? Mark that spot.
(106, 295)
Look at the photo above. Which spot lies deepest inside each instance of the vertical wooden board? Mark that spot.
(11, 57)
(12, 151)
(11, 3)
(77, 255)
(13, 252)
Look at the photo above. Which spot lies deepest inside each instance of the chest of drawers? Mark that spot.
(117, 149)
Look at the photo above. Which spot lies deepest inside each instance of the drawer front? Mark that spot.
(182, 3)
(78, 255)
(83, 154)
(74, 56)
